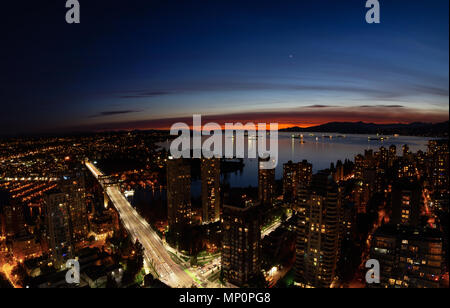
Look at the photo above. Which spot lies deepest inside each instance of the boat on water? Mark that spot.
(377, 138)
(297, 136)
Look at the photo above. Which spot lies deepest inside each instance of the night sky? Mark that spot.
(147, 64)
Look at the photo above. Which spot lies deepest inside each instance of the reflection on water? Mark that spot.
(320, 149)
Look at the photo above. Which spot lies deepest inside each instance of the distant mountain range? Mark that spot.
(412, 129)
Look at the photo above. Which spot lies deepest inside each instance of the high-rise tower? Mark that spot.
(56, 208)
(318, 232)
(241, 251)
(210, 171)
(178, 192)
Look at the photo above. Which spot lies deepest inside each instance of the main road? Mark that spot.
(155, 252)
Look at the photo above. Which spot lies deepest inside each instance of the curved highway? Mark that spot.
(155, 252)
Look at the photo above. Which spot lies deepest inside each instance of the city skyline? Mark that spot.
(148, 65)
(220, 151)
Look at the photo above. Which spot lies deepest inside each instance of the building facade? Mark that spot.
(241, 250)
(294, 175)
(318, 232)
(59, 237)
(210, 173)
(409, 257)
(74, 187)
(178, 192)
(406, 202)
(266, 184)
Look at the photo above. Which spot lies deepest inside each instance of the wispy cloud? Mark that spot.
(112, 113)
(319, 106)
(145, 94)
(374, 92)
(381, 106)
(304, 117)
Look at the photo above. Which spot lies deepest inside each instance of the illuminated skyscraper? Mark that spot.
(361, 196)
(14, 219)
(294, 175)
(210, 170)
(318, 232)
(289, 181)
(383, 155)
(405, 150)
(305, 173)
(266, 184)
(406, 168)
(406, 202)
(410, 257)
(56, 209)
(74, 187)
(439, 164)
(359, 166)
(178, 192)
(392, 155)
(339, 173)
(241, 251)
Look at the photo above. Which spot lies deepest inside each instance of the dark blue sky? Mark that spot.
(130, 64)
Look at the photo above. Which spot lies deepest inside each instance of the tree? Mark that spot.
(221, 276)
(91, 239)
(194, 260)
(148, 281)
(111, 283)
(258, 281)
(22, 276)
(4, 283)
(135, 263)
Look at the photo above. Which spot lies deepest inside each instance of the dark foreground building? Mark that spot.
(266, 184)
(178, 193)
(210, 170)
(59, 236)
(318, 232)
(295, 175)
(410, 257)
(241, 248)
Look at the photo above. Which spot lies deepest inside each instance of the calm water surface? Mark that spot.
(320, 149)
